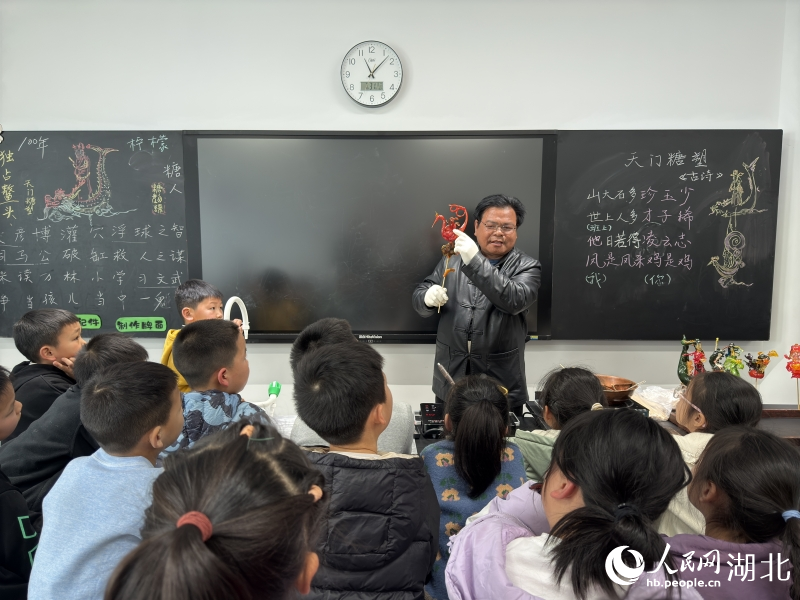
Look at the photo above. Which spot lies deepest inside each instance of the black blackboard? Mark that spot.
(94, 223)
(665, 233)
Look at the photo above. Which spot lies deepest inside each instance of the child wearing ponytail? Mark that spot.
(612, 474)
(473, 465)
(236, 516)
(747, 486)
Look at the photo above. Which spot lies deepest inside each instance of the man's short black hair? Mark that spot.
(318, 334)
(192, 292)
(122, 403)
(500, 201)
(335, 388)
(104, 350)
(204, 347)
(41, 327)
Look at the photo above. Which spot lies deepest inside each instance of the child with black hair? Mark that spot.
(197, 300)
(474, 464)
(49, 338)
(383, 518)
(399, 433)
(18, 537)
(566, 393)
(612, 473)
(93, 514)
(237, 516)
(747, 486)
(37, 457)
(212, 355)
(713, 401)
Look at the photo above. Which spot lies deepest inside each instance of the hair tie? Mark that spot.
(199, 520)
(624, 510)
(316, 492)
(791, 514)
(597, 406)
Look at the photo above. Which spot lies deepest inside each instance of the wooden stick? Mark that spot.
(446, 262)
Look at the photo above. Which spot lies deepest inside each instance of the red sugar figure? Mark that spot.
(448, 226)
(793, 366)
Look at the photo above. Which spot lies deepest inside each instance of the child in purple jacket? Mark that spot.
(612, 474)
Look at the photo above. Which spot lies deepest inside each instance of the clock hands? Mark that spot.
(378, 67)
(370, 70)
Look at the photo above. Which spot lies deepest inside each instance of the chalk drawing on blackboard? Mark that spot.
(65, 205)
(732, 208)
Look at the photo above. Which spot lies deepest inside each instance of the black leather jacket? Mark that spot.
(485, 319)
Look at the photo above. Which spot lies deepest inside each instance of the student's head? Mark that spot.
(723, 400)
(10, 407)
(47, 335)
(320, 333)
(568, 392)
(212, 355)
(104, 350)
(340, 391)
(262, 499)
(476, 418)
(743, 483)
(132, 406)
(497, 218)
(198, 300)
(611, 475)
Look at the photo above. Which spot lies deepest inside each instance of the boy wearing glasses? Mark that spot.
(483, 319)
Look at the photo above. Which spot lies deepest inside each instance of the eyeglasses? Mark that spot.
(504, 229)
(680, 394)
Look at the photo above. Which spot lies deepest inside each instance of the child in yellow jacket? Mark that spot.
(197, 300)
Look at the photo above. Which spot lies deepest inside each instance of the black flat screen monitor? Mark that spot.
(304, 226)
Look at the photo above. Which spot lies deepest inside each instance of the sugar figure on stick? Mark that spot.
(448, 226)
(732, 362)
(758, 365)
(690, 363)
(793, 366)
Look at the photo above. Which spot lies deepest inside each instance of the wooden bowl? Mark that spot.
(616, 389)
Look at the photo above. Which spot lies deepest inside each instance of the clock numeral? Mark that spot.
(372, 98)
(352, 61)
(391, 61)
(347, 74)
(391, 87)
(396, 74)
(361, 52)
(372, 49)
(360, 94)
(383, 96)
(352, 87)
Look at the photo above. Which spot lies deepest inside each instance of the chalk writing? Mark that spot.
(129, 324)
(90, 321)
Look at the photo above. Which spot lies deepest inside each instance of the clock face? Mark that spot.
(372, 73)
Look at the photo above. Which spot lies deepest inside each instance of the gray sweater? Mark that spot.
(398, 436)
(92, 519)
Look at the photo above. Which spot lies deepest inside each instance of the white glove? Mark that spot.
(465, 246)
(435, 296)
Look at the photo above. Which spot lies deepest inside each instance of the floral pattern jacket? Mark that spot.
(454, 500)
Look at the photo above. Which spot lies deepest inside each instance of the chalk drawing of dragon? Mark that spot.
(63, 205)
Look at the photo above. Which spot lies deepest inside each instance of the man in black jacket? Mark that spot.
(380, 532)
(484, 304)
(34, 460)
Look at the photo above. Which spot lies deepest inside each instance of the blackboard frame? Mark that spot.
(547, 211)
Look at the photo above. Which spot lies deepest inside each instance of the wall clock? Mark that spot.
(372, 73)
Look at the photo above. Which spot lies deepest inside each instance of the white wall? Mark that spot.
(501, 64)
